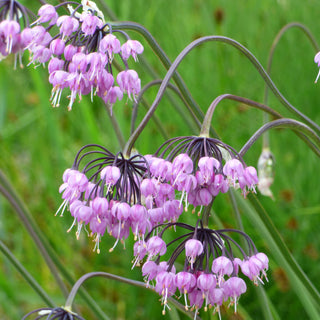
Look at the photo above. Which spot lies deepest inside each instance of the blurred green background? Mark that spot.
(37, 143)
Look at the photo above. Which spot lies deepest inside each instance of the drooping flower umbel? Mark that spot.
(147, 194)
(201, 167)
(80, 56)
(211, 270)
(13, 19)
(107, 191)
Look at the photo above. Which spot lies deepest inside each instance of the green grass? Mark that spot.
(39, 142)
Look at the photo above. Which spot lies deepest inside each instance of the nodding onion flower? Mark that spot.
(211, 270)
(111, 192)
(105, 194)
(202, 167)
(79, 56)
(14, 19)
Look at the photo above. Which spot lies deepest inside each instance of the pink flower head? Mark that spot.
(254, 266)
(35, 36)
(26, 36)
(129, 82)
(234, 287)
(47, 13)
(100, 206)
(172, 210)
(165, 286)
(83, 213)
(222, 266)
(204, 196)
(9, 29)
(185, 281)
(220, 184)
(216, 297)
(207, 167)
(57, 46)
(58, 79)
(67, 25)
(155, 246)
(196, 299)
(109, 44)
(99, 227)
(233, 169)
(96, 68)
(40, 54)
(90, 23)
(139, 251)
(156, 215)
(249, 179)
(55, 64)
(75, 184)
(181, 164)
(138, 218)
(206, 282)
(193, 249)
(131, 48)
(121, 211)
(114, 94)
(147, 187)
(161, 168)
(150, 270)
(69, 52)
(110, 174)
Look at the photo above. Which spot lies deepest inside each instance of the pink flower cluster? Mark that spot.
(141, 193)
(79, 57)
(199, 182)
(201, 286)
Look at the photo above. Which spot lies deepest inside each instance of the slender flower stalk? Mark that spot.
(179, 59)
(284, 123)
(205, 128)
(66, 312)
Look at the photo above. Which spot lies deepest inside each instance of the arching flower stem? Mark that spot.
(208, 117)
(285, 123)
(164, 60)
(78, 284)
(179, 59)
(177, 107)
(275, 43)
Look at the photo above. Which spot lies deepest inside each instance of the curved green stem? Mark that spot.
(208, 117)
(116, 127)
(26, 275)
(178, 60)
(206, 214)
(163, 58)
(175, 90)
(283, 123)
(232, 42)
(135, 283)
(276, 40)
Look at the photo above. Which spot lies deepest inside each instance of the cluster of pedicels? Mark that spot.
(114, 193)
(79, 48)
(210, 274)
(107, 192)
